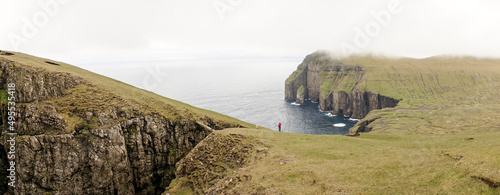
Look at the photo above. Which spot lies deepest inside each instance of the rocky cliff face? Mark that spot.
(76, 138)
(335, 85)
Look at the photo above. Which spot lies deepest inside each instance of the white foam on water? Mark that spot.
(295, 104)
(339, 125)
(330, 115)
(353, 119)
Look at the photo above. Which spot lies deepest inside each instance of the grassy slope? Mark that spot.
(445, 100)
(375, 162)
(145, 101)
(441, 139)
(439, 94)
(372, 163)
(448, 80)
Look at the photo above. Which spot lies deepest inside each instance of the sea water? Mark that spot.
(250, 90)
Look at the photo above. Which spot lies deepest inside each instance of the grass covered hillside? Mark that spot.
(288, 163)
(442, 138)
(104, 92)
(78, 132)
(438, 94)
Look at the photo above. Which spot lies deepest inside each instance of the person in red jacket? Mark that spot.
(279, 126)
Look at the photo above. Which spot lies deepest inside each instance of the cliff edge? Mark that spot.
(76, 132)
(420, 96)
(335, 85)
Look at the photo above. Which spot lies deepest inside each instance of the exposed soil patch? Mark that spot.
(452, 156)
(490, 182)
(52, 63)
(355, 135)
(6, 53)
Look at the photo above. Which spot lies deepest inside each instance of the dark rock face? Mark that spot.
(357, 104)
(3, 170)
(39, 117)
(37, 84)
(362, 126)
(335, 86)
(116, 150)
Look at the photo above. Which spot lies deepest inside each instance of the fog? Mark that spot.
(111, 30)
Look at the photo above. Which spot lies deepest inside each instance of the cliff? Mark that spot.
(82, 133)
(335, 85)
(445, 130)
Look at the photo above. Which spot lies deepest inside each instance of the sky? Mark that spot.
(71, 30)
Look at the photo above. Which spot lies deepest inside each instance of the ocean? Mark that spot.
(250, 90)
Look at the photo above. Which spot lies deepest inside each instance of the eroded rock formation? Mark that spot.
(335, 85)
(75, 138)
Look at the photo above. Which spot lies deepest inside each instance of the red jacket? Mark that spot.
(279, 125)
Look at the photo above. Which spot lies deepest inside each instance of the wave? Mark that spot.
(330, 115)
(339, 125)
(353, 119)
(295, 104)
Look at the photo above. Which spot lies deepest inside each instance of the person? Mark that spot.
(279, 126)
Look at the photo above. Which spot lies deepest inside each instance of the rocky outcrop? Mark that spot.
(335, 85)
(301, 95)
(212, 166)
(362, 126)
(36, 84)
(75, 138)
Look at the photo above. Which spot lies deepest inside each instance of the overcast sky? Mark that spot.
(132, 29)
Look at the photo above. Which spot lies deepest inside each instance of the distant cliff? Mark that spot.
(76, 134)
(335, 86)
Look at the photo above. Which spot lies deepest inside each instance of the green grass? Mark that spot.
(440, 139)
(438, 94)
(301, 90)
(4, 96)
(449, 80)
(372, 163)
(293, 76)
(335, 81)
(102, 88)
